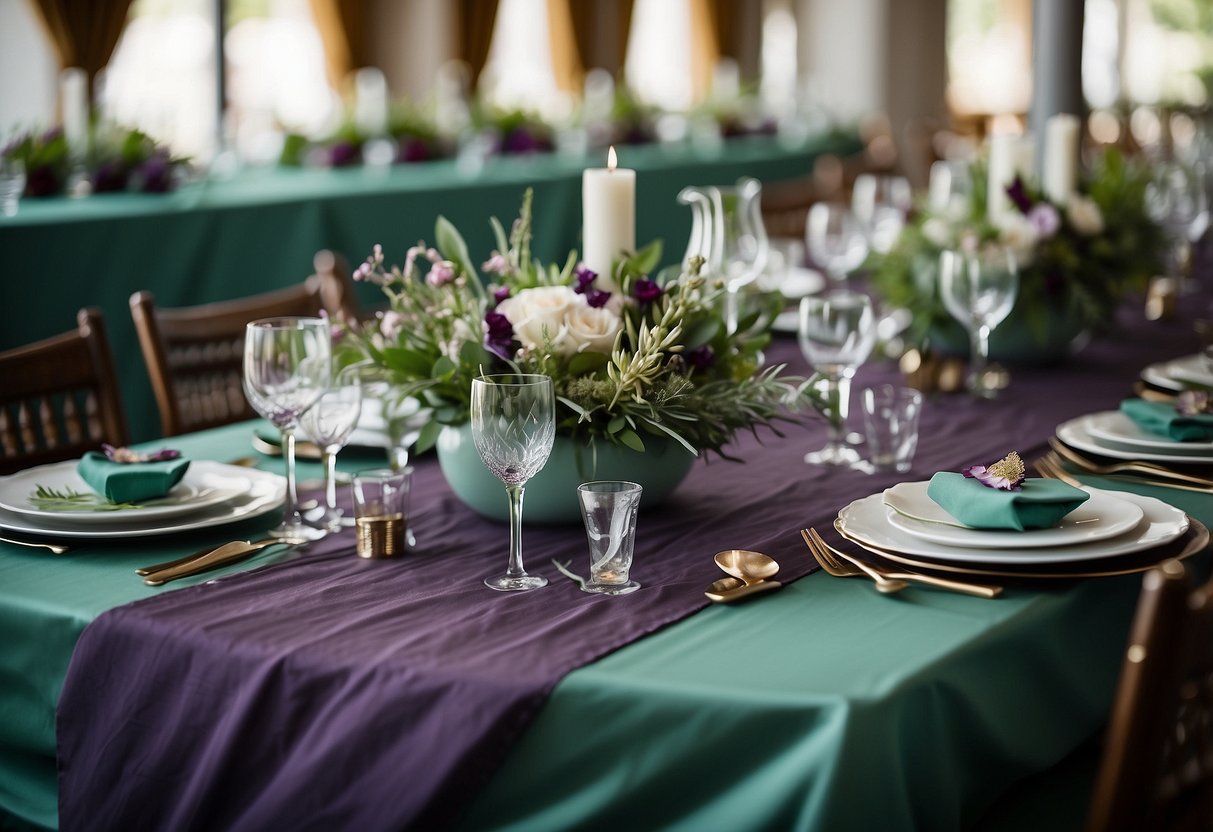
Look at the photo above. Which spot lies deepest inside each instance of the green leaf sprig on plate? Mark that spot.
(69, 499)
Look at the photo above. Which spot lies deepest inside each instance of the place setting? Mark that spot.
(995, 521)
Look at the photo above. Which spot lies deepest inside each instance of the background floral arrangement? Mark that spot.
(119, 159)
(632, 357)
(1078, 259)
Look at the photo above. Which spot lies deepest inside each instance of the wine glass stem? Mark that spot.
(330, 479)
(515, 570)
(290, 513)
(979, 353)
(730, 311)
(837, 408)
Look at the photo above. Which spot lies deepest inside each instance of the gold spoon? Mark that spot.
(750, 567)
(728, 590)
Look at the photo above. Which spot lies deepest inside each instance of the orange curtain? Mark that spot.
(343, 31)
(567, 65)
(476, 19)
(84, 32)
(588, 36)
(725, 18)
(705, 50)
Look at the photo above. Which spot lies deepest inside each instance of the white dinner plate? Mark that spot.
(867, 520)
(1116, 430)
(200, 488)
(262, 493)
(1076, 432)
(1171, 374)
(1103, 515)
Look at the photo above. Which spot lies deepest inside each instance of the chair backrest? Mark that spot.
(337, 286)
(59, 398)
(1157, 767)
(194, 354)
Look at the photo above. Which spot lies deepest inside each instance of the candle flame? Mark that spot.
(612, 159)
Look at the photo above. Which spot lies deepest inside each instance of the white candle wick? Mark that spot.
(612, 159)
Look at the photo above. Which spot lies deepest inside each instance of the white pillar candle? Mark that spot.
(370, 101)
(1001, 174)
(73, 91)
(1060, 157)
(608, 213)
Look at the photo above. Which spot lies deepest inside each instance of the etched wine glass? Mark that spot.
(286, 369)
(835, 239)
(329, 423)
(978, 289)
(514, 425)
(837, 333)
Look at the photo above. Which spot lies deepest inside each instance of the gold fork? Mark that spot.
(840, 564)
(1147, 468)
(1053, 466)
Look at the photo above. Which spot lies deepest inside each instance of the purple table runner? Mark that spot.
(329, 692)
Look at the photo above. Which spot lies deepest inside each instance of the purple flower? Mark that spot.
(1045, 219)
(1018, 192)
(596, 298)
(343, 154)
(413, 149)
(441, 274)
(501, 294)
(646, 291)
(109, 176)
(498, 335)
(701, 358)
(585, 277)
(126, 455)
(156, 174)
(1193, 402)
(1007, 474)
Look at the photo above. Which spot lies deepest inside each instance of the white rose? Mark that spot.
(1020, 236)
(540, 313)
(937, 232)
(591, 330)
(1084, 215)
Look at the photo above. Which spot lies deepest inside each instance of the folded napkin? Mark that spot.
(1040, 504)
(130, 482)
(1164, 420)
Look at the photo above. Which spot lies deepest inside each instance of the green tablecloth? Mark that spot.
(824, 706)
(221, 240)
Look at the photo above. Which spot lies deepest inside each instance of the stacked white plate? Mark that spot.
(1113, 434)
(210, 494)
(903, 520)
(1180, 373)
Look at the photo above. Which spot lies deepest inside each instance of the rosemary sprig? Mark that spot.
(50, 499)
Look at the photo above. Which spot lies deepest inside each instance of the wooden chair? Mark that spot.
(194, 354)
(59, 397)
(1157, 766)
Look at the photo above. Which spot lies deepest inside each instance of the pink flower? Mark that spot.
(391, 324)
(441, 273)
(1044, 219)
(497, 264)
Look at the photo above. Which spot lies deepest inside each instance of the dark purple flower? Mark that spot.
(1007, 474)
(109, 176)
(126, 455)
(1018, 193)
(156, 174)
(646, 291)
(413, 149)
(520, 141)
(597, 298)
(701, 358)
(43, 180)
(501, 294)
(498, 335)
(343, 154)
(585, 278)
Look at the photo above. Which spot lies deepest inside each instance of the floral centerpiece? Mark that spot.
(119, 159)
(46, 159)
(1076, 261)
(639, 363)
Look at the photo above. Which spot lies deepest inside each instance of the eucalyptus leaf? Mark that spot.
(632, 440)
(428, 436)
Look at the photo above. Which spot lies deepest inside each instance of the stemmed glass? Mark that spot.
(286, 369)
(744, 246)
(835, 239)
(329, 423)
(837, 333)
(881, 204)
(979, 289)
(1175, 199)
(514, 426)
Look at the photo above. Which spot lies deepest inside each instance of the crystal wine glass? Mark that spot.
(329, 423)
(286, 369)
(835, 239)
(744, 246)
(881, 204)
(979, 289)
(837, 333)
(514, 426)
(1175, 199)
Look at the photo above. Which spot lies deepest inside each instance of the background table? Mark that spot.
(822, 706)
(221, 240)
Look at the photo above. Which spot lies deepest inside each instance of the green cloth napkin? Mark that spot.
(1040, 505)
(1164, 420)
(130, 482)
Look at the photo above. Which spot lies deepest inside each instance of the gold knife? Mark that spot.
(224, 555)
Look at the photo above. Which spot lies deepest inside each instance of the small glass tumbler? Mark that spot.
(890, 418)
(12, 184)
(609, 510)
(381, 499)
